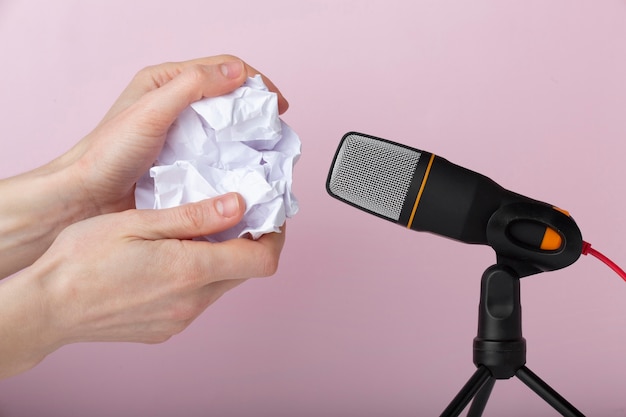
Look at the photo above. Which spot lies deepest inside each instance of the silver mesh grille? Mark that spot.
(373, 174)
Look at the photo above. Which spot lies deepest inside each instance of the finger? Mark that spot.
(157, 76)
(239, 258)
(159, 108)
(189, 220)
(175, 68)
(168, 71)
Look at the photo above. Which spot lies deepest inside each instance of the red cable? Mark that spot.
(588, 250)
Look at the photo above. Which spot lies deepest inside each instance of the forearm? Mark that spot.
(34, 208)
(25, 336)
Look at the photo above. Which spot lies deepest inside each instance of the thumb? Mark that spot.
(191, 220)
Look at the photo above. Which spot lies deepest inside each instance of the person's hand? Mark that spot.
(99, 174)
(106, 164)
(122, 274)
(134, 276)
(137, 276)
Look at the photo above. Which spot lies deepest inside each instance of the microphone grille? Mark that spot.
(373, 174)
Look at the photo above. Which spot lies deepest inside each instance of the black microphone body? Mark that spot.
(458, 203)
(425, 192)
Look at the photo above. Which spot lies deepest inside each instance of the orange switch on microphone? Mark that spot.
(535, 235)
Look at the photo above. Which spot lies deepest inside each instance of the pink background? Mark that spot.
(363, 318)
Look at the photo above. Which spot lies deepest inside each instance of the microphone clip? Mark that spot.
(533, 237)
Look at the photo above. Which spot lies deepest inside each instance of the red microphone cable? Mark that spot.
(588, 250)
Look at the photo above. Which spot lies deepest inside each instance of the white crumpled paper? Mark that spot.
(234, 142)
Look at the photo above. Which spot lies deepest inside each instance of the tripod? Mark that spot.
(500, 349)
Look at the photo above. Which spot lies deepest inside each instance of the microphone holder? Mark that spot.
(500, 349)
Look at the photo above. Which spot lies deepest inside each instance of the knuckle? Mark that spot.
(192, 216)
(156, 75)
(195, 74)
(188, 269)
(146, 73)
(269, 263)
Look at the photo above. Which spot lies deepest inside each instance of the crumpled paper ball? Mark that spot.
(235, 142)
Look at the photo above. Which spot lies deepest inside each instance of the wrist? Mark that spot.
(35, 208)
(26, 336)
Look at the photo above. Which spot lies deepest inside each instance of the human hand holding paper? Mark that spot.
(235, 142)
(134, 275)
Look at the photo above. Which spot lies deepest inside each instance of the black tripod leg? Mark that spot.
(480, 400)
(469, 390)
(552, 397)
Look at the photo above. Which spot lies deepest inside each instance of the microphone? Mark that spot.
(425, 192)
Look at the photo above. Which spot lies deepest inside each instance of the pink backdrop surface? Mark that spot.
(364, 317)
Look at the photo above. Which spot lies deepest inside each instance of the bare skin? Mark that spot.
(90, 267)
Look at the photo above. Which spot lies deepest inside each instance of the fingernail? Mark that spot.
(227, 205)
(231, 69)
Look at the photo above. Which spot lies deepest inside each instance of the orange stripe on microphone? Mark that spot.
(421, 190)
(562, 211)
